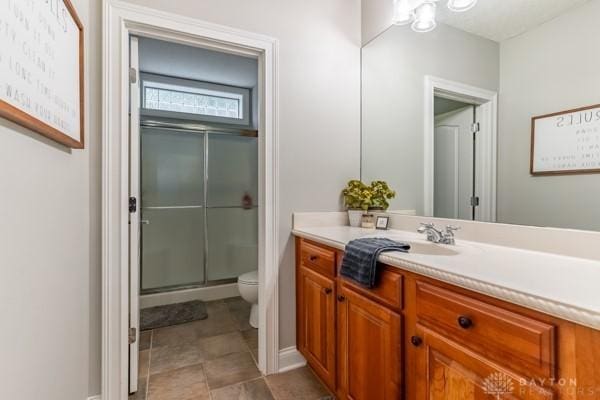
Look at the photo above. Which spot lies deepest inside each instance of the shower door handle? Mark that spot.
(145, 221)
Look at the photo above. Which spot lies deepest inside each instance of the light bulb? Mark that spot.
(461, 5)
(425, 18)
(403, 13)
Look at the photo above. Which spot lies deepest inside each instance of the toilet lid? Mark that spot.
(249, 278)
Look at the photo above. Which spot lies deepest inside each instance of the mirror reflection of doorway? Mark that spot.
(455, 148)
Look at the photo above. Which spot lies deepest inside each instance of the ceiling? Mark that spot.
(172, 59)
(443, 106)
(499, 20)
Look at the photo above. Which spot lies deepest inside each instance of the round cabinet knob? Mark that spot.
(341, 298)
(416, 341)
(465, 322)
(313, 258)
(328, 290)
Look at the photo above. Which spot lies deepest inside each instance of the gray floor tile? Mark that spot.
(230, 369)
(171, 357)
(143, 363)
(298, 384)
(188, 383)
(221, 345)
(145, 340)
(253, 390)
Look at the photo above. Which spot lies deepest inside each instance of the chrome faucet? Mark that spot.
(437, 236)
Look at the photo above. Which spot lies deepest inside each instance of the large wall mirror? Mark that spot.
(492, 116)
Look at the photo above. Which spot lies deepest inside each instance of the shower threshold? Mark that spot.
(175, 288)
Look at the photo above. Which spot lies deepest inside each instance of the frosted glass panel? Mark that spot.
(232, 242)
(172, 247)
(172, 168)
(232, 170)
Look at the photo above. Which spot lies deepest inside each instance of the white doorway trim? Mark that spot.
(487, 115)
(120, 20)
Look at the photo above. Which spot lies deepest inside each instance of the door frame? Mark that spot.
(120, 20)
(487, 111)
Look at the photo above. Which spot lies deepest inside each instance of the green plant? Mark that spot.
(357, 195)
(380, 194)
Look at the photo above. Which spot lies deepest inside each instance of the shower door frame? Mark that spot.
(194, 128)
(120, 21)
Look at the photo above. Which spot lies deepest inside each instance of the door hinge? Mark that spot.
(132, 204)
(475, 127)
(475, 201)
(132, 335)
(132, 75)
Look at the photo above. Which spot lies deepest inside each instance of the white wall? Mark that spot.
(49, 263)
(393, 71)
(548, 69)
(376, 17)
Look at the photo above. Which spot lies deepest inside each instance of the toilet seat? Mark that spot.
(249, 278)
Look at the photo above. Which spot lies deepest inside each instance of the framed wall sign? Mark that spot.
(566, 142)
(41, 68)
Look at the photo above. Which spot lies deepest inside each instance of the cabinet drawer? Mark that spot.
(388, 291)
(317, 258)
(521, 343)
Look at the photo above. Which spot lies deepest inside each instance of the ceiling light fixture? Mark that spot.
(421, 13)
(461, 5)
(424, 18)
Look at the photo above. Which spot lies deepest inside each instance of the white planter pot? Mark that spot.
(355, 217)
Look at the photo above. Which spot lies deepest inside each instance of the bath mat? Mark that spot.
(172, 314)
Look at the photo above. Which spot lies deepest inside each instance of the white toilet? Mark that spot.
(248, 287)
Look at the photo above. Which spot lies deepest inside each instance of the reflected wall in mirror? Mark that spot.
(447, 115)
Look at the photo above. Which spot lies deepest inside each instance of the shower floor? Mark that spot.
(215, 359)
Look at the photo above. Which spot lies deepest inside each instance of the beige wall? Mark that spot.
(548, 69)
(49, 265)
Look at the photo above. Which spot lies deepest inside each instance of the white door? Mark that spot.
(445, 194)
(453, 164)
(134, 216)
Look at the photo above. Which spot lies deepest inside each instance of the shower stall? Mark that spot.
(199, 196)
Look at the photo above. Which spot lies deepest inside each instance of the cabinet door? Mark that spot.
(448, 371)
(316, 323)
(369, 338)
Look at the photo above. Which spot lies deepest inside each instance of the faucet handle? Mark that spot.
(427, 224)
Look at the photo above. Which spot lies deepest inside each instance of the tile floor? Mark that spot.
(215, 359)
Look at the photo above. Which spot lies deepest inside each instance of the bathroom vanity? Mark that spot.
(446, 322)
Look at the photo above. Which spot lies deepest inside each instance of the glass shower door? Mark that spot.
(232, 206)
(172, 205)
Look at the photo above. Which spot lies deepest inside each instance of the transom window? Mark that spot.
(197, 100)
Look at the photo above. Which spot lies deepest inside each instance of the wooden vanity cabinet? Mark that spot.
(316, 323)
(417, 338)
(369, 348)
(350, 336)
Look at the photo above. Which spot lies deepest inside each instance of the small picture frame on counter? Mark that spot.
(382, 222)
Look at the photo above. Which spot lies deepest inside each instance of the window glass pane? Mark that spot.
(223, 104)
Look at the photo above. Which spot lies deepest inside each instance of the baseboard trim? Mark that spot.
(97, 397)
(290, 358)
(208, 293)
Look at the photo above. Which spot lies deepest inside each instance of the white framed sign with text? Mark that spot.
(566, 142)
(41, 68)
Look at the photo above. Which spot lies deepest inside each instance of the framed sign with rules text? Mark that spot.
(566, 142)
(41, 68)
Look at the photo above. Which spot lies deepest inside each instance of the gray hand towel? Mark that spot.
(360, 258)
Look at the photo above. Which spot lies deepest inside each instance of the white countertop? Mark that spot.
(565, 287)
